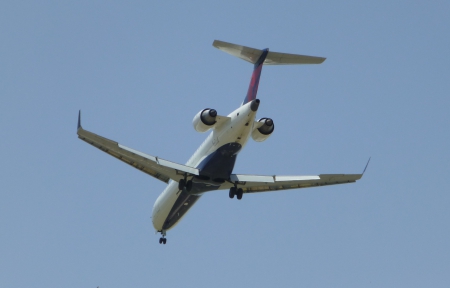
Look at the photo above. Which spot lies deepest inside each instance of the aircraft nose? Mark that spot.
(156, 221)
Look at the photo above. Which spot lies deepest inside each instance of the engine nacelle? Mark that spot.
(204, 120)
(262, 133)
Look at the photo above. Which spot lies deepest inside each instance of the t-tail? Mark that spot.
(259, 58)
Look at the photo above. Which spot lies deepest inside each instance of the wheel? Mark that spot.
(232, 192)
(160, 240)
(189, 186)
(239, 193)
(181, 184)
(164, 241)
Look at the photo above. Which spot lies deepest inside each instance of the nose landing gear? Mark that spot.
(163, 238)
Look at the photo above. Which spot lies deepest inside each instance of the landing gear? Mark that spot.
(239, 193)
(236, 191)
(232, 192)
(183, 184)
(163, 239)
(189, 186)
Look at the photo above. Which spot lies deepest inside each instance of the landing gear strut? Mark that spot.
(163, 239)
(236, 191)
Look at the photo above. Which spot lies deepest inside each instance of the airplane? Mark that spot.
(211, 166)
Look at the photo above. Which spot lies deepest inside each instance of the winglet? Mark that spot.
(79, 120)
(366, 166)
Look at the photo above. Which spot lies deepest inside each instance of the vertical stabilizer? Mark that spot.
(254, 82)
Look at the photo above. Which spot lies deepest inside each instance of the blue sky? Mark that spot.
(72, 216)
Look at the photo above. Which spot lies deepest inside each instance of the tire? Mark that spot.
(181, 184)
(189, 186)
(164, 241)
(239, 194)
(232, 192)
(160, 240)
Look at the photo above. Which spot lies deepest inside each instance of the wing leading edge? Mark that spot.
(159, 168)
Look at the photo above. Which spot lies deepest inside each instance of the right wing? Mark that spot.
(159, 168)
(259, 183)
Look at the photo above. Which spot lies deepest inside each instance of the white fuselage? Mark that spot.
(237, 129)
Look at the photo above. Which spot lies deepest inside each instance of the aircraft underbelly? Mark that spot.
(215, 168)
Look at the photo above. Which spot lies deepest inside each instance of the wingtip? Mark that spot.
(215, 43)
(79, 120)
(366, 166)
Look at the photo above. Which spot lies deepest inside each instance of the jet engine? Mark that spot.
(263, 132)
(204, 120)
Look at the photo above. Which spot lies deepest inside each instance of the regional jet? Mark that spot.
(211, 166)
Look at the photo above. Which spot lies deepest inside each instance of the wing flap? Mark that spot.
(251, 178)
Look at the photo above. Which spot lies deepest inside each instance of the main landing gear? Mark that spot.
(183, 184)
(236, 191)
(163, 239)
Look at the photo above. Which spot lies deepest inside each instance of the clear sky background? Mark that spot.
(72, 216)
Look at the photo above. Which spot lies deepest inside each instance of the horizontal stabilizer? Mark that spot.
(273, 58)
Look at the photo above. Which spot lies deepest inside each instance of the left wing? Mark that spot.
(259, 183)
(159, 168)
